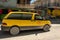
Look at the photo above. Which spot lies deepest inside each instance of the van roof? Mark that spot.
(24, 12)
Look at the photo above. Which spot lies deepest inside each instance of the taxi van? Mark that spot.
(14, 22)
(54, 12)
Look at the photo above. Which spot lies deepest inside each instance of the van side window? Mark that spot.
(20, 16)
(27, 17)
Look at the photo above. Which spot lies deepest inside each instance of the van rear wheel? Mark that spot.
(14, 31)
(46, 28)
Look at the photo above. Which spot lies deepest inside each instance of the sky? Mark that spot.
(33, 1)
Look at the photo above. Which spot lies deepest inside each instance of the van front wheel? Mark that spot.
(14, 31)
(46, 28)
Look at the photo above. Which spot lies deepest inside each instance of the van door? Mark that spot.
(38, 20)
(26, 20)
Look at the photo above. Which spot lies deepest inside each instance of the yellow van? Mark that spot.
(54, 12)
(16, 21)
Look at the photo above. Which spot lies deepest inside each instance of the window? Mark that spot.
(28, 2)
(24, 2)
(18, 1)
(15, 16)
(38, 17)
(27, 16)
(20, 16)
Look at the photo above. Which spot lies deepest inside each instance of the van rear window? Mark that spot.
(14, 16)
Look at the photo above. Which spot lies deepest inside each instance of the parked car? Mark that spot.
(14, 22)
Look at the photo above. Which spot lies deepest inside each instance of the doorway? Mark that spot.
(18, 2)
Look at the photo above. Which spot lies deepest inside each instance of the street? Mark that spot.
(53, 34)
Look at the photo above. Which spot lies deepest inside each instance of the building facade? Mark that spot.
(47, 3)
(16, 3)
(24, 4)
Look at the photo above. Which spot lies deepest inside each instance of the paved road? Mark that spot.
(55, 21)
(53, 34)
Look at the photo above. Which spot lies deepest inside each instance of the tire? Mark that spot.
(46, 28)
(14, 31)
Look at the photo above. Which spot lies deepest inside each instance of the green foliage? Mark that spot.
(2, 16)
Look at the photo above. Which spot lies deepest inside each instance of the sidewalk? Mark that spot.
(55, 24)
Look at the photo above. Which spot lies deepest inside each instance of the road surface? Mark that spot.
(53, 34)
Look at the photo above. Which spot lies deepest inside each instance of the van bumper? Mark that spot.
(3, 28)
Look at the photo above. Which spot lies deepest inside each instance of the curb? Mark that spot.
(55, 24)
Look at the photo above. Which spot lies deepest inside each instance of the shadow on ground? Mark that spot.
(22, 33)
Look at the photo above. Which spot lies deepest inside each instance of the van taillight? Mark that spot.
(4, 24)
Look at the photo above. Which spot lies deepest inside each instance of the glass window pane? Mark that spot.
(20, 16)
(38, 17)
(15, 16)
(27, 16)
